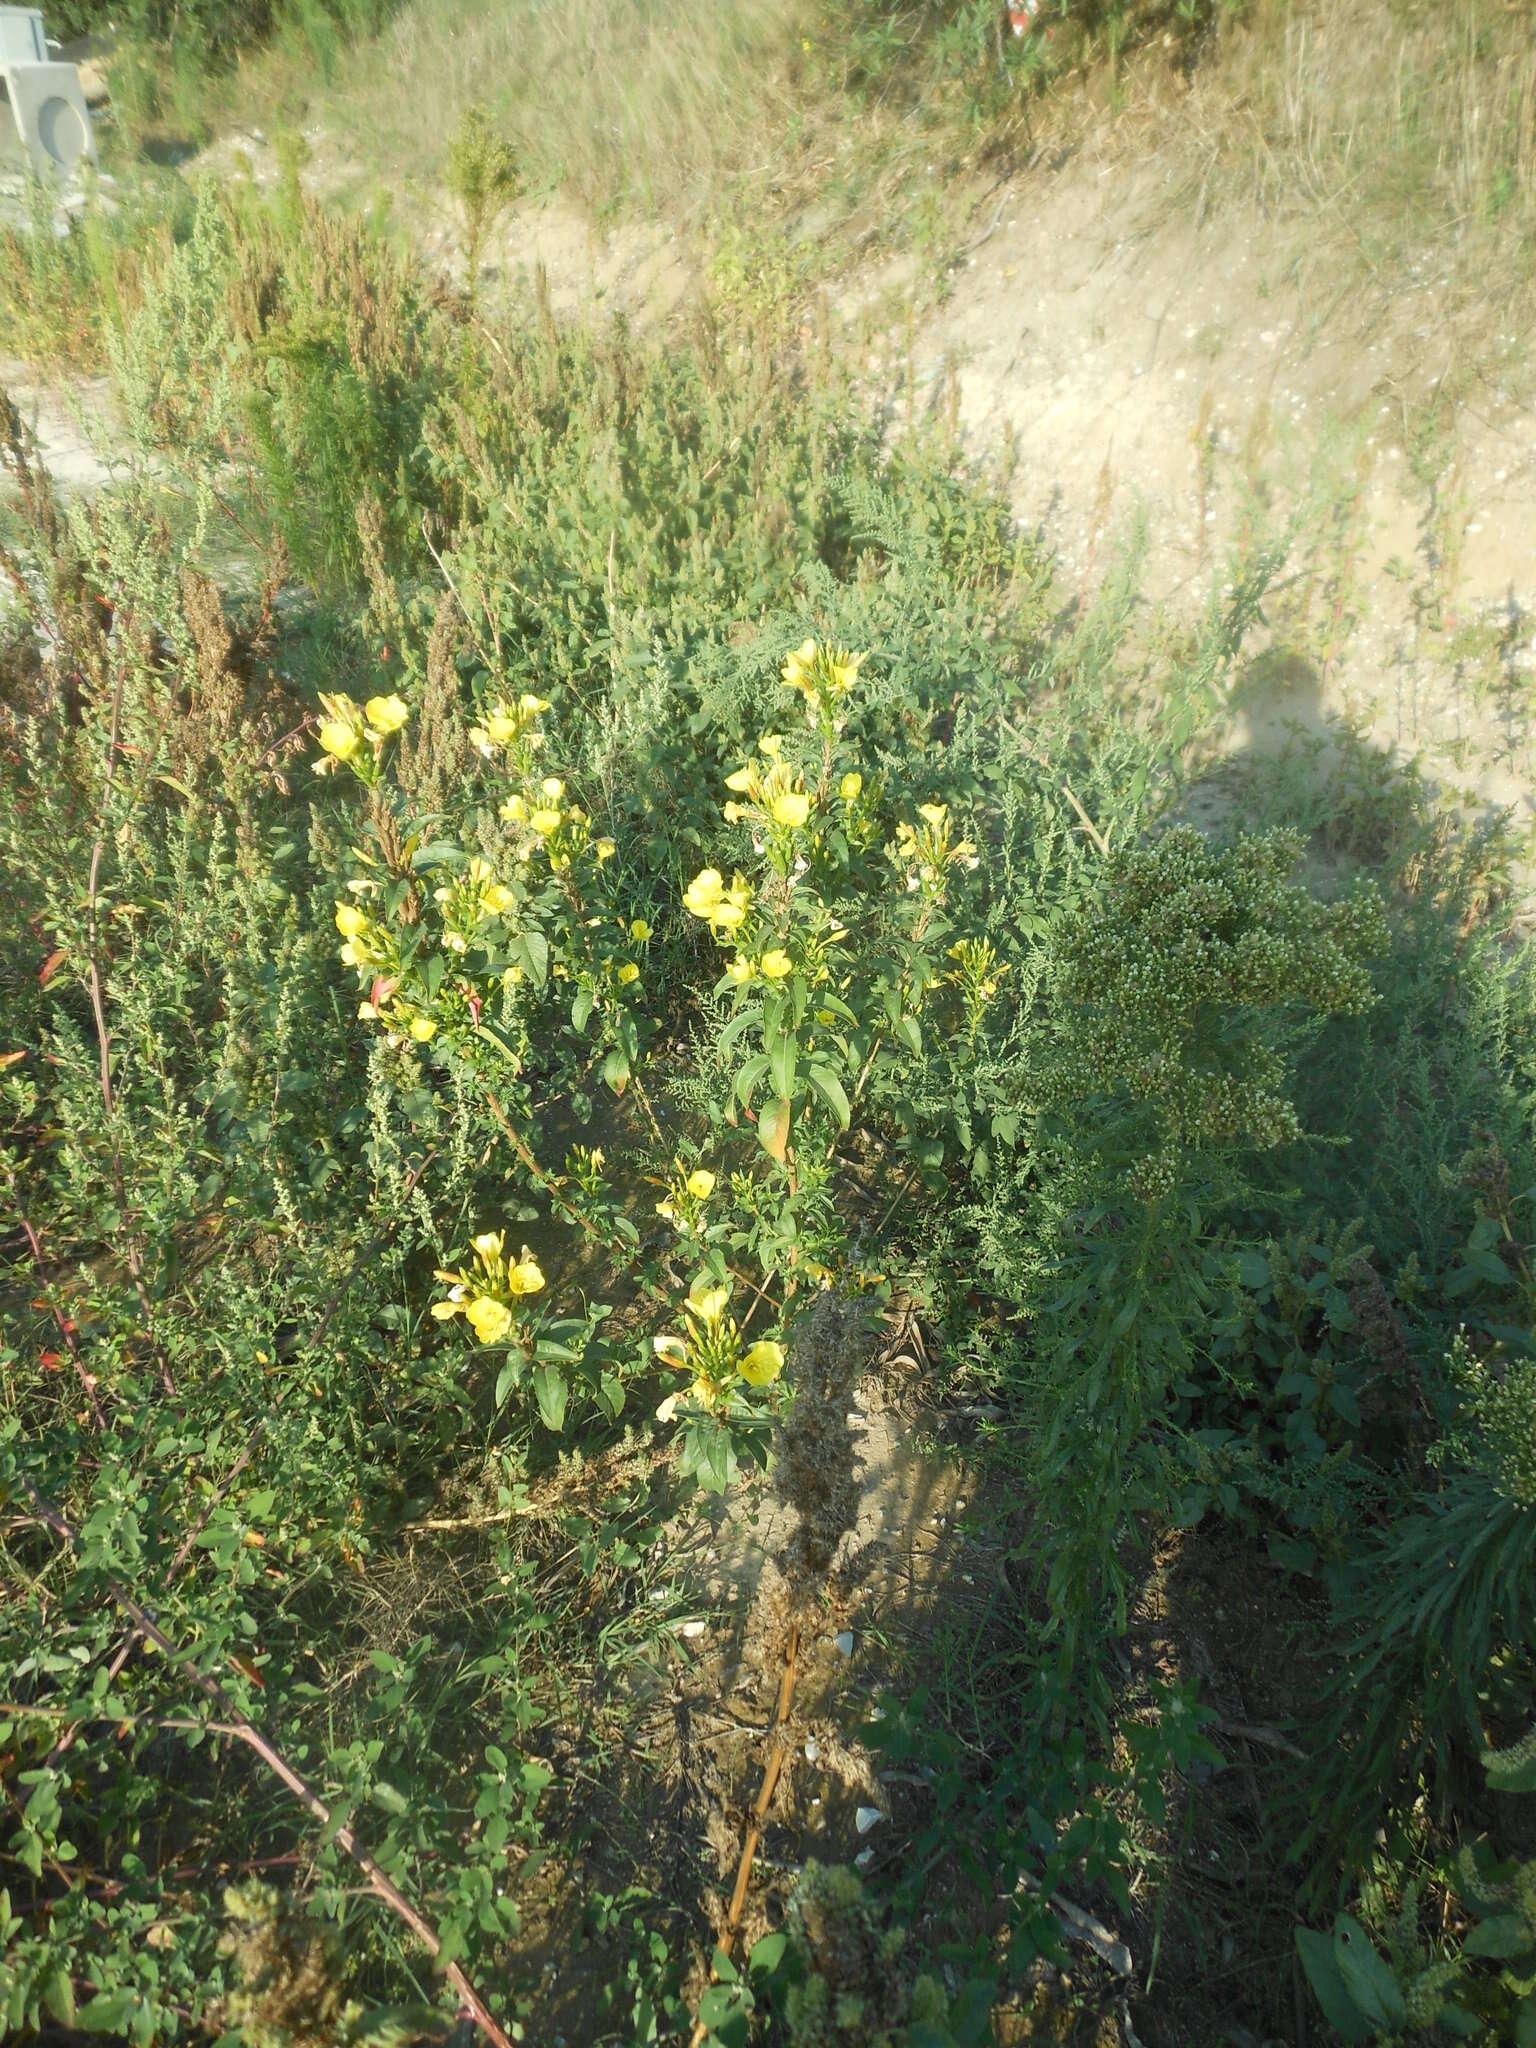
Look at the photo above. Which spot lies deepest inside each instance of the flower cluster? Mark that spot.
(510, 726)
(823, 675)
(976, 973)
(370, 948)
(472, 896)
(777, 801)
(927, 851)
(488, 1293)
(545, 819)
(711, 1350)
(683, 1204)
(353, 735)
(724, 909)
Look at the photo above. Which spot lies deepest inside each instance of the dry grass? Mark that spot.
(629, 103)
(1397, 130)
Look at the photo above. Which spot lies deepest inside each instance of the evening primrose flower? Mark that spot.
(776, 964)
(350, 921)
(423, 1028)
(790, 808)
(639, 931)
(701, 1183)
(762, 1362)
(627, 973)
(741, 969)
(339, 739)
(488, 1318)
(771, 744)
(386, 715)
(605, 849)
(544, 822)
(848, 789)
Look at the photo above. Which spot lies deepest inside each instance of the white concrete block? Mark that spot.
(21, 36)
(50, 114)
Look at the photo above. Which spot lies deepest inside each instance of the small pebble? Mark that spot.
(867, 1817)
(864, 1859)
(694, 1628)
(812, 1749)
(843, 1641)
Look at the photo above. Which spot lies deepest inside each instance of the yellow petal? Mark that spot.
(776, 964)
(489, 1319)
(762, 1363)
(386, 714)
(350, 921)
(701, 1183)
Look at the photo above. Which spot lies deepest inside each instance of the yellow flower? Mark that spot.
(706, 1302)
(350, 921)
(515, 811)
(799, 665)
(842, 670)
(553, 788)
(741, 969)
(501, 725)
(489, 1319)
(639, 931)
(670, 1348)
(742, 781)
(545, 822)
(605, 849)
(386, 714)
(489, 1243)
(934, 813)
(627, 973)
(530, 706)
(790, 807)
(499, 898)
(762, 1363)
(701, 1183)
(702, 895)
(423, 1028)
(848, 789)
(771, 744)
(729, 915)
(733, 813)
(776, 964)
(340, 739)
(526, 1277)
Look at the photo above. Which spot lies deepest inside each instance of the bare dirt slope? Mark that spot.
(1140, 359)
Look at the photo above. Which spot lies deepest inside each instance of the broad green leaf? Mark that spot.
(831, 1091)
(550, 1392)
(1369, 1981)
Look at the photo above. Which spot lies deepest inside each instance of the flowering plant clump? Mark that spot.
(354, 735)
(823, 676)
(684, 1202)
(488, 1294)
(713, 1352)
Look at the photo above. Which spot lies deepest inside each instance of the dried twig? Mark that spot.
(771, 1770)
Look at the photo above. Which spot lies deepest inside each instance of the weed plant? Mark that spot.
(618, 855)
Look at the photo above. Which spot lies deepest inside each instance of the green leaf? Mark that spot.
(550, 1390)
(108, 2012)
(910, 1032)
(1253, 1269)
(1504, 1936)
(781, 1064)
(768, 1952)
(831, 1091)
(1369, 1981)
(59, 1997)
(1328, 1986)
(386, 1796)
(749, 1076)
(616, 1071)
(581, 1009)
